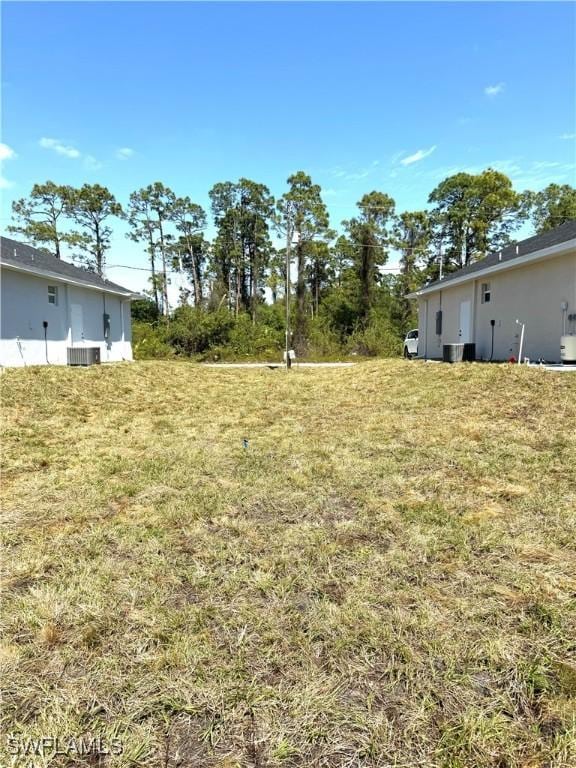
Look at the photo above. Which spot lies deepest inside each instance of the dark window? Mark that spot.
(486, 293)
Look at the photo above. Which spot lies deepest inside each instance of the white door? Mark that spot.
(77, 323)
(464, 330)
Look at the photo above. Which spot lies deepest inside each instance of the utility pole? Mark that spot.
(287, 294)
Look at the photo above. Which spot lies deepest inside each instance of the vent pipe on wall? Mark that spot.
(521, 347)
(564, 308)
(492, 325)
(45, 326)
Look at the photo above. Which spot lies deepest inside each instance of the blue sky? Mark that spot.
(386, 96)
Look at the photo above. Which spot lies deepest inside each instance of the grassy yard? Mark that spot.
(384, 576)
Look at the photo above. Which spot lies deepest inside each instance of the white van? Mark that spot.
(411, 344)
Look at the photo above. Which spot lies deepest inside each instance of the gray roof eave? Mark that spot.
(544, 253)
(39, 272)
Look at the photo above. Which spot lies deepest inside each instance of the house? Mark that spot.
(532, 282)
(53, 312)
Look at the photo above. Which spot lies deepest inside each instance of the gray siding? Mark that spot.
(25, 306)
(532, 293)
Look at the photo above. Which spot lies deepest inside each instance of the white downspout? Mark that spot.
(474, 292)
(521, 341)
(439, 338)
(425, 329)
(68, 320)
(106, 341)
(122, 302)
(564, 308)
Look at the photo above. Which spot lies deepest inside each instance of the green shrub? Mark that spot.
(193, 331)
(149, 341)
(378, 338)
(323, 341)
(272, 315)
(248, 339)
(220, 335)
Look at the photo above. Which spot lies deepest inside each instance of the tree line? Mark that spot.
(341, 282)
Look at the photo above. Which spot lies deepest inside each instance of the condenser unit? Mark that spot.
(568, 349)
(83, 355)
(459, 353)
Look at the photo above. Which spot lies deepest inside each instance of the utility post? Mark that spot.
(287, 293)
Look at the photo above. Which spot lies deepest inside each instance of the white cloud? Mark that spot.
(494, 90)
(568, 136)
(91, 163)
(6, 152)
(537, 166)
(362, 173)
(124, 152)
(396, 156)
(419, 155)
(59, 148)
(356, 176)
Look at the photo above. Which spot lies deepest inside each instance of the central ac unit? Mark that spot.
(83, 355)
(568, 349)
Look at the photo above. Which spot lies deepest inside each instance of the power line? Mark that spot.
(143, 269)
(177, 272)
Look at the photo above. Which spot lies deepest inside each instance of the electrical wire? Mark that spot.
(176, 272)
(45, 324)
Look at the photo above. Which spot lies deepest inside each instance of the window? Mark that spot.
(52, 294)
(486, 293)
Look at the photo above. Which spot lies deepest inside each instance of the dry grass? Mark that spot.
(384, 577)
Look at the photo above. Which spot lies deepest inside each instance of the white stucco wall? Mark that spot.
(447, 300)
(533, 293)
(24, 307)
